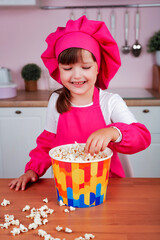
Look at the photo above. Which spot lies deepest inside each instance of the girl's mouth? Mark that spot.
(78, 83)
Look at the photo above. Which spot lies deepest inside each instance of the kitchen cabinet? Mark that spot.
(147, 163)
(19, 128)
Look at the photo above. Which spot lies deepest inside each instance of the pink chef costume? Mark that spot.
(79, 122)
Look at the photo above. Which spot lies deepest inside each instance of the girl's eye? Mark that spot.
(67, 69)
(86, 67)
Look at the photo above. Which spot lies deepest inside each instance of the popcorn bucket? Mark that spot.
(81, 183)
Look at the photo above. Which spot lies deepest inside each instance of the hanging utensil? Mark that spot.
(113, 23)
(99, 17)
(126, 49)
(85, 12)
(72, 17)
(137, 48)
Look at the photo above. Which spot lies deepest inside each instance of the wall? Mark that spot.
(23, 33)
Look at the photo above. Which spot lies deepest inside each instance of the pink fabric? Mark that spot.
(94, 31)
(74, 39)
(75, 125)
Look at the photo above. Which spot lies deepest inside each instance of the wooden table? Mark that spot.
(130, 212)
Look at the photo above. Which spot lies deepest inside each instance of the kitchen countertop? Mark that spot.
(131, 211)
(40, 98)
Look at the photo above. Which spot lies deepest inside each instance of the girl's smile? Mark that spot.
(80, 78)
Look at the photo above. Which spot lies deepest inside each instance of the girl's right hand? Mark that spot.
(21, 182)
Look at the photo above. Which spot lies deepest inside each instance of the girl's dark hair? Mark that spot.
(68, 56)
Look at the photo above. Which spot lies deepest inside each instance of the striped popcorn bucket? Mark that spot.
(81, 183)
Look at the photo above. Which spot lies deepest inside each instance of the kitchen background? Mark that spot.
(22, 41)
(24, 30)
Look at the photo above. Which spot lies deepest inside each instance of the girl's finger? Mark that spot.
(12, 184)
(88, 143)
(92, 146)
(24, 183)
(18, 185)
(99, 145)
(105, 144)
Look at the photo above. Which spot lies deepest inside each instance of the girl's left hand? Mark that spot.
(99, 140)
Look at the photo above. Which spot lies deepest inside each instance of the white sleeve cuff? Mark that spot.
(120, 137)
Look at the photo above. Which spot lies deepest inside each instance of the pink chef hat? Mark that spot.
(91, 35)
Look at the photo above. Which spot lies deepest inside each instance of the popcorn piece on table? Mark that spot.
(79, 238)
(37, 219)
(68, 230)
(45, 200)
(5, 225)
(45, 221)
(32, 226)
(66, 210)
(58, 228)
(15, 222)
(5, 202)
(48, 237)
(26, 208)
(72, 208)
(50, 211)
(8, 218)
(23, 228)
(15, 231)
(41, 233)
(61, 203)
(43, 208)
(89, 236)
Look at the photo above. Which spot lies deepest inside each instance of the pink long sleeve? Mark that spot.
(40, 160)
(135, 138)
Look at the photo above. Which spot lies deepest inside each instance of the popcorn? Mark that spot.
(15, 231)
(26, 208)
(44, 207)
(66, 210)
(75, 152)
(47, 237)
(23, 228)
(72, 208)
(68, 230)
(89, 236)
(43, 212)
(79, 238)
(15, 222)
(5, 225)
(58, 228)
(45, 200)
(50, 211)
(61, 203)
(45, 221)
(37, 219)
(41, 233)
(37, 215)
(8, 218)
(5, 202)
(32, 226)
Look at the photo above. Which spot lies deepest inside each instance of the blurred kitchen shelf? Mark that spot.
(132, 93)
(17, 3)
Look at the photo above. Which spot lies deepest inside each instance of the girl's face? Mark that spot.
(80, 77)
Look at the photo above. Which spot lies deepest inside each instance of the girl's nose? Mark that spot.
(77, 73)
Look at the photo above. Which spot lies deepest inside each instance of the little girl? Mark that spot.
(84, 57)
